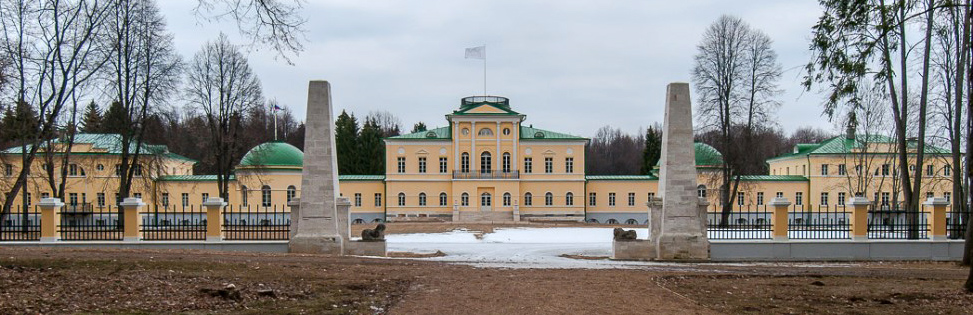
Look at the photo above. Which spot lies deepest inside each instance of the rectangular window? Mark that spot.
(422, 164)
(548, 165)
(842, 169)
(46, 195)
(138, 170)
(165, 199)
(73, 199)
(930, 170)
(118, 170)
(29, 201)
(824, 169)
(528, 165)
(401, 164)
(101, 199)
(930, 194)
(858, 169)
(185, 199)
(946, 170)
(885, 199)
(651, 196)
(206, 196)
(358, 200)
(611, 199)
(569, 165)
(631, 199)
(947, 195)
(592, 199)
(799, 198)
(824, 199)
(740, 198)
(8, 170)
(443, 165)
(885, 170)
(760, 198)
(378, 199)
(780, 194)
(841, 199)
(137, 195)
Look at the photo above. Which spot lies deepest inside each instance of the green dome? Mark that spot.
(275, 154)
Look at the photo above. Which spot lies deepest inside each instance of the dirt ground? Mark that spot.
(44, 280)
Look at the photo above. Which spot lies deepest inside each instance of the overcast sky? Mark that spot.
(570, 66)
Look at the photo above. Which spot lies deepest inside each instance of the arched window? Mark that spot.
(465, 200)
(506, 162)
(485, 132)
(401, 199)
(422, 199)
(265, 196)
(486, 162)
(569, 199)
(243, 195)
(485, 200)
(631, 222)
(701, 191)
(465, 162)
(443, 200)
(506, 199)
(612, 221)
(291, 193)
(548, 199)
(528, 199)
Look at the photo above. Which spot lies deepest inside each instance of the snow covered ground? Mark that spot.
(524, 248)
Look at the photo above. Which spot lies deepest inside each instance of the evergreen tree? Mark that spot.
(370, 148)
(346, 139)
(91, 121)
(653, 149)
(419, 126)
(116, 120)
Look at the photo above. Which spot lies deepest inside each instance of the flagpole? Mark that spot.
(274, 111)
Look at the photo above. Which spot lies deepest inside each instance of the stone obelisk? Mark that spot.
(317, 226)
(683, 227)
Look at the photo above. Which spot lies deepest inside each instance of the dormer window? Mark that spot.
(796, 150)
(485, 132)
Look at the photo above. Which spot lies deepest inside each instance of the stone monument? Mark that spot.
(316, 228)
(682, 224)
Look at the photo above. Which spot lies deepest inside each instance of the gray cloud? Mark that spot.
(571, 66)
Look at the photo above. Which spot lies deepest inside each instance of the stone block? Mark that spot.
(363, 248)
(633, 250)
(315, 244)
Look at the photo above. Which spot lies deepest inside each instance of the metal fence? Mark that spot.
(822, 222)
(19, 225)
(252, 222)
(956, 222)
(895, 222)
(164, 223)
(90, 224)
(751, 222)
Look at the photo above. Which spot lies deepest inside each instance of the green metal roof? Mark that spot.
(774, 178)
(441, 133)
(107, 143)
(620, 177)
(706, 156)
(361, 177)
(274, 154)
(531, 133)
(843, 145)
(499, 102)
(190, 178)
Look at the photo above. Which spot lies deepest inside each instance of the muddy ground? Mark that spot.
(43, 280)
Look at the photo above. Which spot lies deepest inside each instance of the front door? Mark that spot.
(486, 202)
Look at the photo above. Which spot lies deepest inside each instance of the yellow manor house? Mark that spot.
(485, 165)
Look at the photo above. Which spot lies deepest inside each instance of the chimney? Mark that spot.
(852, 125)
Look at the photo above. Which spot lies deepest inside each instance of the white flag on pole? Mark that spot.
(478, 52)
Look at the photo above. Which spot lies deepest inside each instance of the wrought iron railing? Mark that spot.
(750, 222)
(254, 222)
(19, 225)
(166, 223)
(486, 174)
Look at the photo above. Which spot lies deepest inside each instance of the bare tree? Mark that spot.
(735, 77)
(222, 85)
(389, 124)
(55, 50)
(142, 73)
(276, 24)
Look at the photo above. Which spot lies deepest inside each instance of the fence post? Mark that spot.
(133, 220)
(779, 218)
(50, 216)
(937, 217)
(859, 218)
(214, 218)
(343, 206)
(295, 205)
